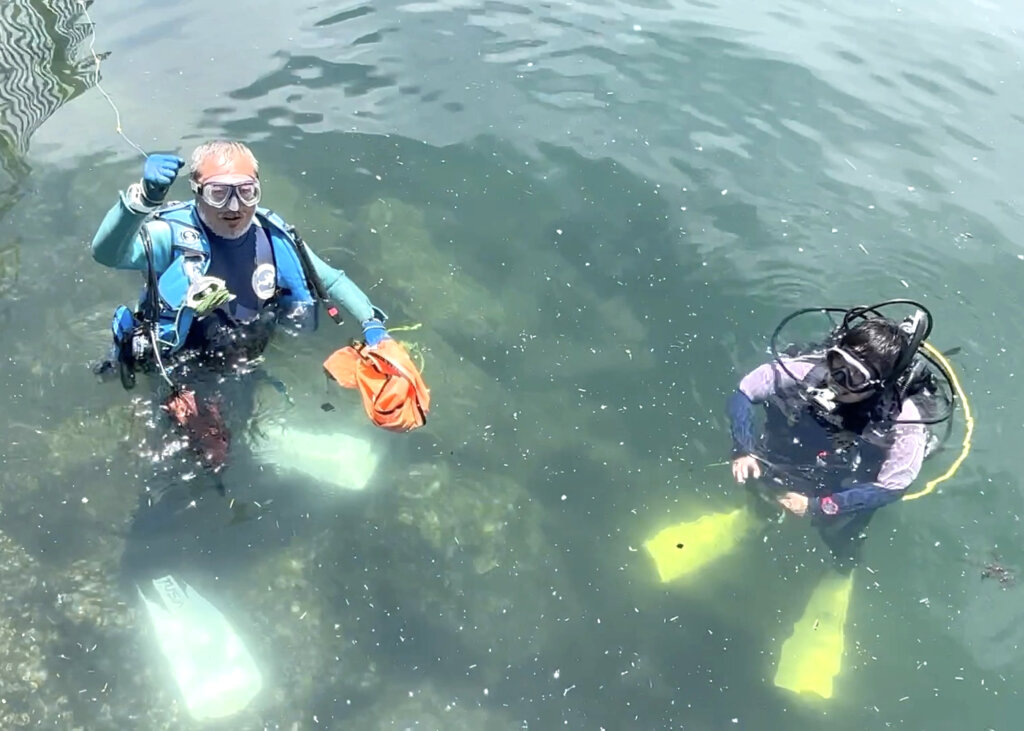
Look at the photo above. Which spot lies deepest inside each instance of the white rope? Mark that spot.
(92, 50)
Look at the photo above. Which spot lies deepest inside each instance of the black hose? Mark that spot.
(862, 312)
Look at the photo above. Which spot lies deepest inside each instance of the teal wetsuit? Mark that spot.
(181, 252)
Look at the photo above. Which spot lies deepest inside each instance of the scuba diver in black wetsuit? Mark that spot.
(845, 433)
(846, 429)
(846, 425)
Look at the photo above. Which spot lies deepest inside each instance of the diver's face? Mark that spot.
(233, 220)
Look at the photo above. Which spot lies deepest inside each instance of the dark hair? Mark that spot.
(878, 343)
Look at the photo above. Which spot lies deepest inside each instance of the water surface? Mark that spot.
(598, 211)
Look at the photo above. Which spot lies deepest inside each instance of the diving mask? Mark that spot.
(217, 193)
(848, 372)
(846, 375)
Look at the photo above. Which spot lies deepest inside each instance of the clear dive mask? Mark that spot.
(217, 194)
(846, 374)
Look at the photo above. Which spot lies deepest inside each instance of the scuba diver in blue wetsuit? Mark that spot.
(221, 273)
(846, 429)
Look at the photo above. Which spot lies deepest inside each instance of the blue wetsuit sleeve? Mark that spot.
(741, 423)
(754, 388)
(344, 290)
(859, 496)
(116, 243)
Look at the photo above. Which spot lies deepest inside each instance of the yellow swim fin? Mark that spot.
(682, 549)
(813, 655)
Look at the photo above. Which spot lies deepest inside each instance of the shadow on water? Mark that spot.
(41, 69)
(42, 45)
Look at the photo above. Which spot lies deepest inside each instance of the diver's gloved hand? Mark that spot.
(374, 331)
(158, 173)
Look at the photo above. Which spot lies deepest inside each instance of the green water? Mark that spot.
(598, 211)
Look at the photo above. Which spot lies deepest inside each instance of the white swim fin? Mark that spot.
(215, 672)
(340, 461)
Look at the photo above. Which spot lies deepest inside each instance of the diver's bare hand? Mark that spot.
(744, 467)
(794, 502)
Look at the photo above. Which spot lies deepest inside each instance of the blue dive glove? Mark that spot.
(374, 332)
(158, 173)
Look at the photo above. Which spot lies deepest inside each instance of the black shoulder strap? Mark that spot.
(315, 283)
(151, 306)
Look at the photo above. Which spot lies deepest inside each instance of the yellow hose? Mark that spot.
(968, 421)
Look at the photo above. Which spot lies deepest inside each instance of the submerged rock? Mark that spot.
(299, 634)
(481, 525)
(69, 648)
(87, 436)
(427, 281)
(26, 698)
(428, 709)
(457, 561)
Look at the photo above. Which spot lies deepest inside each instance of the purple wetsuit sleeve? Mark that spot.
(754, 388)
(904, 458)
(761, 382)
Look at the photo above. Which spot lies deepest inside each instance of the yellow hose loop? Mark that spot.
(968, 423)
